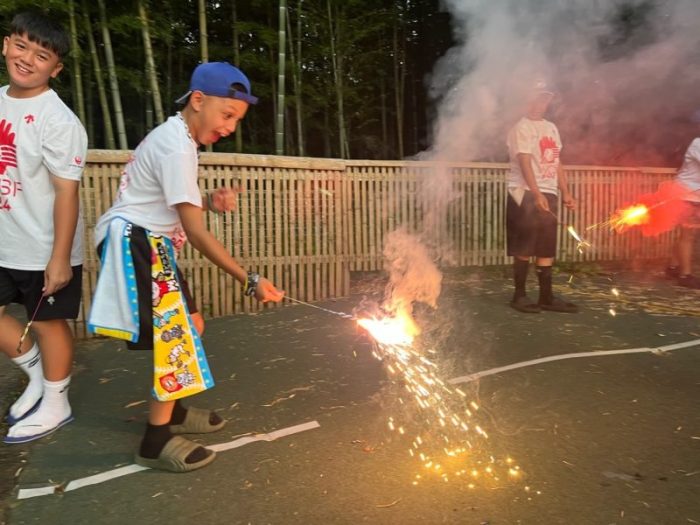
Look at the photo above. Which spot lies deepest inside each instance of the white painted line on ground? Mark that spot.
(104, 476)
(31, 493)
(600, 353)
(132, 469)
(264, 437)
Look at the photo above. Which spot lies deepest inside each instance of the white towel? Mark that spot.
(115, 308)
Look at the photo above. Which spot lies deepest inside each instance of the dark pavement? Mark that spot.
(612, 439)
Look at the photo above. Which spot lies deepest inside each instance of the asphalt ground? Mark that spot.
(599, 439)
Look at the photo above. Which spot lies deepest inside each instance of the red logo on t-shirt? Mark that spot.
(29, 119)
(549, 155)
(548, 150)
(78, 161)
(8, 149)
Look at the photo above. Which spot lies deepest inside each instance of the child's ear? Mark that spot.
(196, 100)
(57, 70)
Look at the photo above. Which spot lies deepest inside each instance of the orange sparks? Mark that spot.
(635, 215)
(399, 330)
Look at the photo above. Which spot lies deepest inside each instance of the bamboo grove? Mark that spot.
(351, 83)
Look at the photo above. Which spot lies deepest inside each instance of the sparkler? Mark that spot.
(28, 325)
(339, 314)
(450, 432)
(582, 243)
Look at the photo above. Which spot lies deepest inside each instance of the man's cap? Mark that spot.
(218, 79)
(542, 87)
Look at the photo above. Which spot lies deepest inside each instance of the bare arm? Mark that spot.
(525, 162)
(566, 197)
(65, 220)
(204, 242)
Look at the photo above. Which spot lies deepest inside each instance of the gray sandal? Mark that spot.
(196, 422)
(172, 457)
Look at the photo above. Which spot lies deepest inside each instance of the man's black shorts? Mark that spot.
(141, 255)
(25, 287)
(531, 232)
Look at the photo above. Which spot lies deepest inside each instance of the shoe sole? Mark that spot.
(26, 439)
(525, 309)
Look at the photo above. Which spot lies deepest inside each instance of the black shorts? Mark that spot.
(24, 287)
(141, 255)
(531, 232)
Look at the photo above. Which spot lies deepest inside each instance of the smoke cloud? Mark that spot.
(624, 72)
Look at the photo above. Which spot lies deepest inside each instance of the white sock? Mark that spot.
(30, 362)
(53, 411)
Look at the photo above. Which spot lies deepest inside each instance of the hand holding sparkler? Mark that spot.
(568, 200)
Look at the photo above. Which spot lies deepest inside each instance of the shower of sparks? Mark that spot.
(450, 442)
(582, 243)
(635, 215)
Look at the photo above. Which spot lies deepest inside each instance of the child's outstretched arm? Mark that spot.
(204, 242)
(65, 219)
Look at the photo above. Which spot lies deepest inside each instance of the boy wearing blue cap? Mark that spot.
(141, 295)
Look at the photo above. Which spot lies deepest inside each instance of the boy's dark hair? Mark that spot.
(42, 30)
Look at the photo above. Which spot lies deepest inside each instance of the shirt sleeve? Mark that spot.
(178, 177)
(64, 147)
(694, 150)
(520, 140)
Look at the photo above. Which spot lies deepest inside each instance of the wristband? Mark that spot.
(251, 284)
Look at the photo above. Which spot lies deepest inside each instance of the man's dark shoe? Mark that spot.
(559, 305)
(672, 272)
(525, 305)
(689, 281)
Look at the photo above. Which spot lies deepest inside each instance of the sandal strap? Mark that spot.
(174, 454)
(196, 422)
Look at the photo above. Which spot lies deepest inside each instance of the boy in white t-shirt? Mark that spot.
(535, 179)
(42, 155)
(158, 208)
(688, 176)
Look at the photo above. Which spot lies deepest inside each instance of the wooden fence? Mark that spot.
(307, 223)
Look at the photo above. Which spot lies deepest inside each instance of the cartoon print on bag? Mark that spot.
(176, 332)
(162, 286)
(177, 355)
(161, 320)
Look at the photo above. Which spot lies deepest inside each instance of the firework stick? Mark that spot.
(28, 325)
(339, 314)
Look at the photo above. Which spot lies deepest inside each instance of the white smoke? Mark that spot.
(625, 72)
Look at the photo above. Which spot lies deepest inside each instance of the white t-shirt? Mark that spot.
(689, 172)
(540, 139)
(39, 136)
(161, 173)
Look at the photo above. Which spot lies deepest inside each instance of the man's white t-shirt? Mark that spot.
(540, 139)
(161, 173)
(689, 172)
(39, 137)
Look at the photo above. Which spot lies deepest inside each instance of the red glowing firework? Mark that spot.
(654, 213)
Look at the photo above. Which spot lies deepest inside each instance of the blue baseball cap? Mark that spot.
(217, 79)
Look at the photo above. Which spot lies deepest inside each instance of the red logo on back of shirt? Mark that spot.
(29, 119)
(8, 149)
(78, 160)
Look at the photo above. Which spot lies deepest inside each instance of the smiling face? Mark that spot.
(29, 65)
(212, 118)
